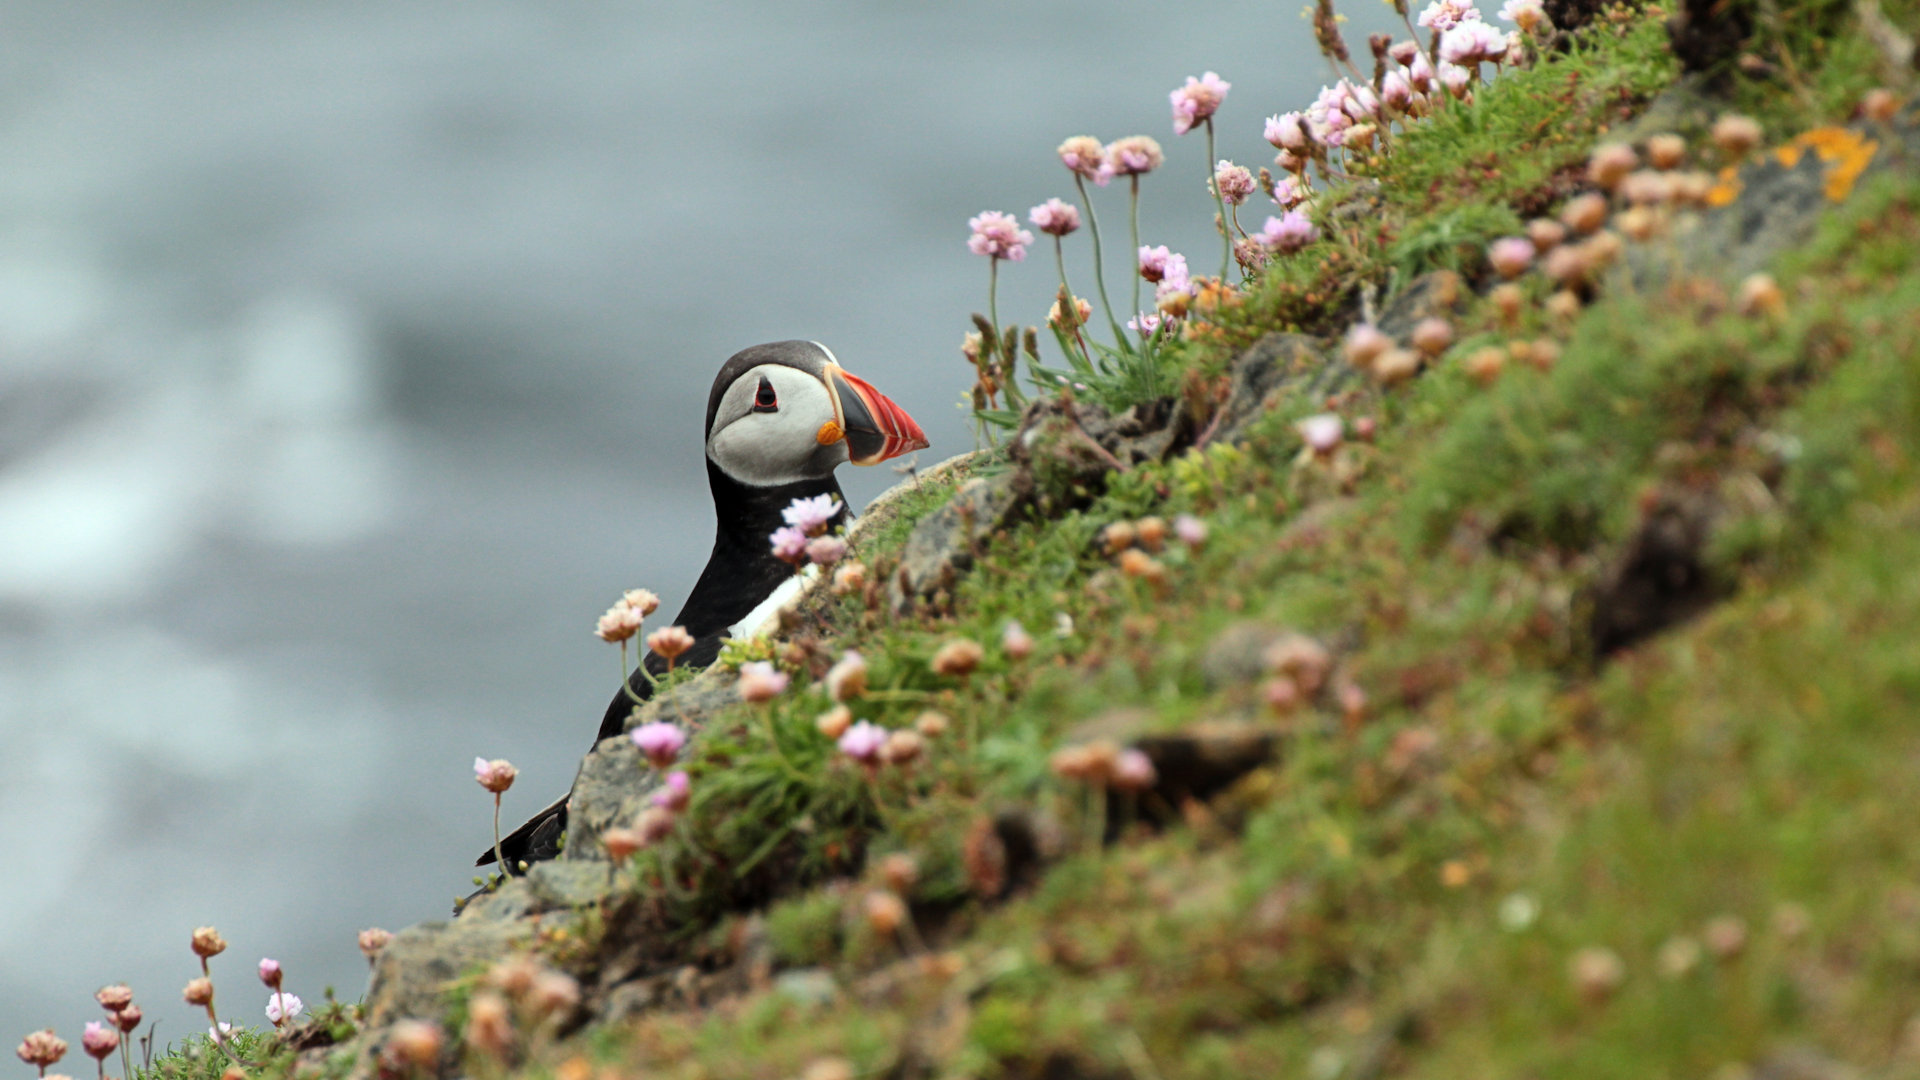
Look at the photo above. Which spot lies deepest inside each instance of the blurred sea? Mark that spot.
(352, 359)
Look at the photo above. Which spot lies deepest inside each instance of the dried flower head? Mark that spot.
(1879, 105)
(659, 742)
(885, 911)
(489, 1026)
(862, 741)
(760, 681)
(115, 997)
(931, 724)
(621, 843)
(1059, 319)
(1234, 182)
(1666, 151)
(1760, 295)
(1198, 100)
(1646, 187)
(208, 943)
(41, 1048)
(496, 776)
(1135, 155)
(1364, 344)
(372, 940)
(1396, 366)
(1567, 265)
(834, 722)
(1432, 336)
(128, 1018)
(1736, 135)
(1054, 217)
(1563, 305)
(670, 642)
(958, 657)
(1596, 973)
(849, 578)
(997, 235)
(198, 991)
(619, 623)
(847, 679)
(902, 747)
(1485, 363)
(1118, 537)
(1584, 213)
(416, 1043)
(641, 600)
(1610, 163)
(1135, 563)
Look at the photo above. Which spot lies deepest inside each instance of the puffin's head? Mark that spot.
(787, 412)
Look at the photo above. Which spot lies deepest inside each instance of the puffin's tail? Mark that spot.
(536, 841)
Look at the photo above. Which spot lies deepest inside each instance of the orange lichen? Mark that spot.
(1844, 153)
(1726, 187)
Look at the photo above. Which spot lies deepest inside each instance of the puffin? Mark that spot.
(781, 417)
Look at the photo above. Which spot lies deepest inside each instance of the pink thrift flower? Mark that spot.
(1233, 182)
(1085, 156)
(659, 742)
(1135, 155)
(760, 681)
(1133, 771)
(812, 515)
(847, 678)
(789, 544)
(1526, 14)
(1289, 232)
(1455, 78)
(641, 600)
(1191, 530)
(1396, 92)
(1403, 52)
(1015, 641)
(1197, 101)
(1420, 73)
(675, 793)
(1055, 218)
(1289, 192)
(1158, 264)
(99, 1040)
(270, 972)
(282, 1008)
(1444, 15)
(998, 236)
(496, 775)
(862, 742)
(1145, 323)
(1322, 432)
(1288, 131)
(826, 550)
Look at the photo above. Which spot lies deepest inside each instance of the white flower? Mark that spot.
(282, 1007)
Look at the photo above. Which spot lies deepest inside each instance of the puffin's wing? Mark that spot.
(538, 839)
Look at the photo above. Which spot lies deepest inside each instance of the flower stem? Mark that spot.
(499, 857)
(1133, 221)
(1099, 275)
(1060, 263)
(1226, 235)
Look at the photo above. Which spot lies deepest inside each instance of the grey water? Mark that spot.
(352, 360)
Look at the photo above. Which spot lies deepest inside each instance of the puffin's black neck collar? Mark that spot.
(743, 570)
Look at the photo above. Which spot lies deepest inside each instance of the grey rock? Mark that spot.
(569, 884)
(813, 987)
(412, 973)
(1237, 654)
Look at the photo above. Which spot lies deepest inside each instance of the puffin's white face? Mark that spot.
(776, 425)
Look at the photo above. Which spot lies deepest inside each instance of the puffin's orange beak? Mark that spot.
(875, 428)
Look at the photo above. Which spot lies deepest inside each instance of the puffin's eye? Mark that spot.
(764, 399)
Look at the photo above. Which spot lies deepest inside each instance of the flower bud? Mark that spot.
(1364, 344)
(1151, 532)
(1546, 234)
(660, 743)
(621, 843)
(1639, 223)
(670, 642)
(1118, 537)
(208, 943)
(675, 792)
(1133, 771)
(1596, 973)
(1567, 265)
(1563, 305)
(931, 724)
(127, 1018)
(1135, 563)
(760, 682)
(115, 997)
(1396, 366)
(849, 577)
(1879, 105)
(199, 991)
(1544, 354)
(1760, 295)
(1508, 299)
(848, 678)
(270, 973)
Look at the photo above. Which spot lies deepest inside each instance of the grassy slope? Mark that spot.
(1405, 892)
